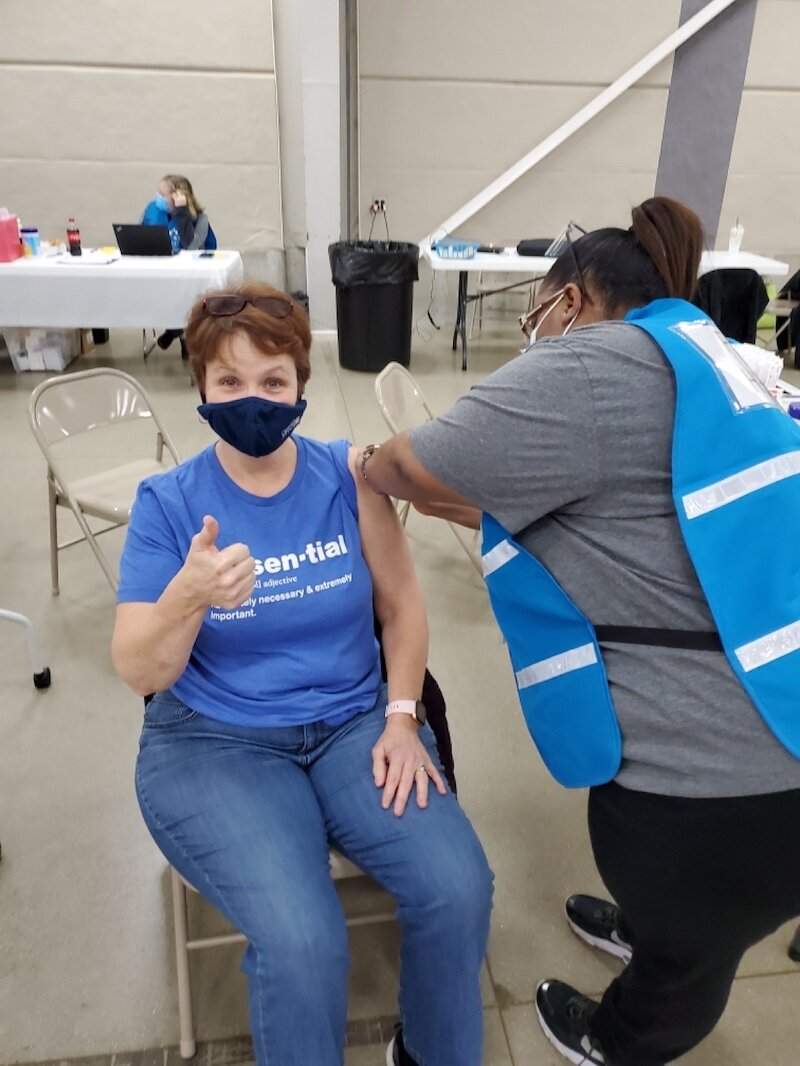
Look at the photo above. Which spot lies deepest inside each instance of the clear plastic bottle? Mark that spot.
(73, 237)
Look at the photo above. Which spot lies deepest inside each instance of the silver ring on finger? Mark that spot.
(421, 769)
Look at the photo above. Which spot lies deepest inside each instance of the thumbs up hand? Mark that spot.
(224, 578)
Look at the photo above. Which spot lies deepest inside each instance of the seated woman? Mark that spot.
(175, 205)
(157, 212)
(248, 581)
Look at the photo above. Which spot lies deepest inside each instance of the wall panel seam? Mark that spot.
(136, 69)
(503, 83)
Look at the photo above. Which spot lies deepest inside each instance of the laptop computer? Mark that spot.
(143, 240)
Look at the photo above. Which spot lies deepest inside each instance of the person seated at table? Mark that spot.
(157, 212)
(189, 218)
(249, 579)
(175, 205)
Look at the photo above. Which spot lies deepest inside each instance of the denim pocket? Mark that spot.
(165, 710)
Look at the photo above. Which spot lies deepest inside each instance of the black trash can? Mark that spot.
(374, 301)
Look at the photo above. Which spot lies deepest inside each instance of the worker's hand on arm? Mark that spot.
(179, 199)
(394, 469)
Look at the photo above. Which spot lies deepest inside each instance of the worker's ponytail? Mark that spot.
(658, 256)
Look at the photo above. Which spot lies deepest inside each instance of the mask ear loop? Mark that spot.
(571, 323)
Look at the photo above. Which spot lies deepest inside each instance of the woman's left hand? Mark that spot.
(179, 199)
(400, 761)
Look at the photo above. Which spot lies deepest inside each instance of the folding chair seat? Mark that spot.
(94, 403)
(404, 407)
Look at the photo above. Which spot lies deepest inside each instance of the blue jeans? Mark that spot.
(246, 814)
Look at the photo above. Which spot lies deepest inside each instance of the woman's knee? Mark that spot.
(303, 954)
(457, 895)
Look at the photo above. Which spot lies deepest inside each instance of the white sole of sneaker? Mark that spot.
(578, 1057)
(390, 1053)
(620, 951)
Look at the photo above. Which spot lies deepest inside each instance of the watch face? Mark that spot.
(422, 713)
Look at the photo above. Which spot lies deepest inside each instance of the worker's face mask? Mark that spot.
(543, 318)
(253, 425)
(161, 202)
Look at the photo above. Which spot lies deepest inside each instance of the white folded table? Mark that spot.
(130, 291)
(536, 266)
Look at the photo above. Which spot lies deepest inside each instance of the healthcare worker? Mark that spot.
(636, 482)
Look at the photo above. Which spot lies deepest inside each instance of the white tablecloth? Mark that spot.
(131, 291)
(509, 262)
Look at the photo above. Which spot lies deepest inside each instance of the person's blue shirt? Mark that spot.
(155, 215)
(302, 648)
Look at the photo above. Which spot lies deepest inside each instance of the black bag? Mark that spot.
(534, 246)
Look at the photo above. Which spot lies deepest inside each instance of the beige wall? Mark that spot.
(98, 98)
(453, 93)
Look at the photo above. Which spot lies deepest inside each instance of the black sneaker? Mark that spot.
(597, 922)
(396, 1054)
(564, 1017)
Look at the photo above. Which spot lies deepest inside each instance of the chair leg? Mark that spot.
(53, 507)
(188, 1044)
(106, 567)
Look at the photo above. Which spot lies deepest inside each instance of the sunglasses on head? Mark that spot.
(225, 306)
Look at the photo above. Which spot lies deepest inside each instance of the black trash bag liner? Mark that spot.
(373, 263)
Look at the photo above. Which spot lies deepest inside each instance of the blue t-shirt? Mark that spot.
(302, 648)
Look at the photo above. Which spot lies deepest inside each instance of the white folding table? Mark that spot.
(130, 291)
(533, 267)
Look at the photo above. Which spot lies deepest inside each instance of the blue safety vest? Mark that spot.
(735, 483)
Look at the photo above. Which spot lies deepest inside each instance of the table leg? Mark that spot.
(147, 348)
(461, 318)
(459, 309)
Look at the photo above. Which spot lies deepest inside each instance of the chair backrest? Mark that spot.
(734, 299)
(70, 404)
(400, 399)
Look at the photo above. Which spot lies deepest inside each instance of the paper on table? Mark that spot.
(91, 257)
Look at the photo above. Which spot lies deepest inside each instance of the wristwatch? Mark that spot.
(415, 708)
(368, 452)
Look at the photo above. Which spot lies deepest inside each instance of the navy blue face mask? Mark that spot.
(253, 425)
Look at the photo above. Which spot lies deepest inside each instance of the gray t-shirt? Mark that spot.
(569, 447)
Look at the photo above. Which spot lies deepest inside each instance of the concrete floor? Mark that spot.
(86, 967)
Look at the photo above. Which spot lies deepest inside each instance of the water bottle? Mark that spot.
(73, 237)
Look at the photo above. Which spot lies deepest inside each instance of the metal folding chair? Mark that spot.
(83, 404)
(404, 407)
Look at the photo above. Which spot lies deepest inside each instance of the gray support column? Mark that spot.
(703, 109)
(349, 73)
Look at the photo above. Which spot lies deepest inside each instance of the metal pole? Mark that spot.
(580, 118)
(348, 82)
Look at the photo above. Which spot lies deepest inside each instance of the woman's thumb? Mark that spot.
(210, 531)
